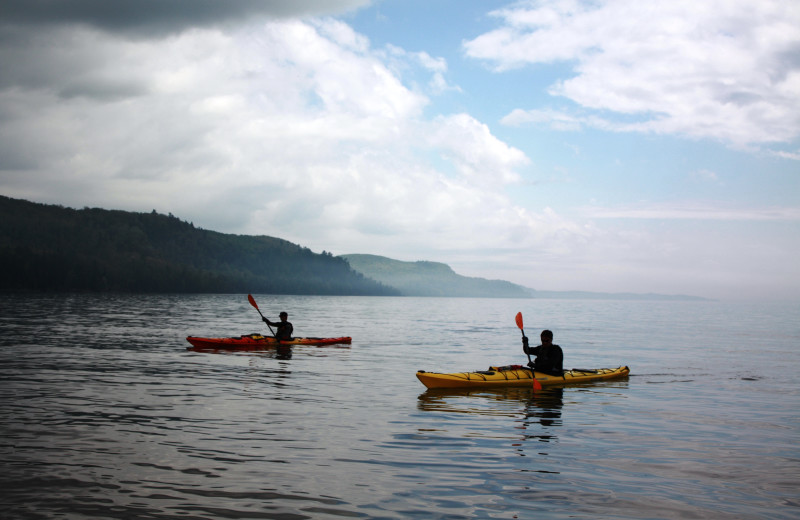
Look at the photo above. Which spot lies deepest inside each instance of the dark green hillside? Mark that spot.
(431, 279)
(52, 248)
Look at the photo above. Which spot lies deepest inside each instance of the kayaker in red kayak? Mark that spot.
(284, 328)
(549, 357)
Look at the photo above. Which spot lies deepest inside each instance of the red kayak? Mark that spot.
(257, 341)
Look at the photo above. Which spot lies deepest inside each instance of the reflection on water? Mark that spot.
(544, 408)
(536, 413)
(270, 351)
(465, 400)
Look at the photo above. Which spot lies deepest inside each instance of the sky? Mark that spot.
(604, 145)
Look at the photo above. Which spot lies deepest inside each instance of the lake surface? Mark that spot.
(105, 414)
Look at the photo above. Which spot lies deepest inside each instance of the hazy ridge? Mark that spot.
(424, 278)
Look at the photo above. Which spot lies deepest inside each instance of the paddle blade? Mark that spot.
(536, 385)
(252, 301)
(518, 319)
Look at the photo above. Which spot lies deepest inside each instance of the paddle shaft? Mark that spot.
(536, 384)
(254, 304)
(518, 319)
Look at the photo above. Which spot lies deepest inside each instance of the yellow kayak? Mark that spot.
(517, 375)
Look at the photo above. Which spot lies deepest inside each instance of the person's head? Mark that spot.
(283, 316)
(547, 337)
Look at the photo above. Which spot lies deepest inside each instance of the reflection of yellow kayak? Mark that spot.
(516, 375)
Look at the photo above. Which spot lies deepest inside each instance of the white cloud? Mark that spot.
(556, 120)
(694, 211)
(477, 154)
(401, 61)
(795, 156)
(726, 69)
(704, 175)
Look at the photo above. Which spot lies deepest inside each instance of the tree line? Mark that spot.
(57, 249)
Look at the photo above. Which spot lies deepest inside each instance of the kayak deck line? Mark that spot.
(517, 375)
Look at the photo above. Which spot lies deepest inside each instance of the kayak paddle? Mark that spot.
(254, 304)
(536, 384)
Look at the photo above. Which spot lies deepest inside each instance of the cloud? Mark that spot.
(476, 153)
(794, 156)
(555, 119)
(158, 18)
(704, 175)
(401, 62)
(726, 70)
(696, 211)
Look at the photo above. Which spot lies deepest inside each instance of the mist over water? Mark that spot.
(105, 414)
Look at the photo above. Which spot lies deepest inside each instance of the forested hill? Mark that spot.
(425, 278)
(52, 248)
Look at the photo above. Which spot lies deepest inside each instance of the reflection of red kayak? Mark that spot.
(256, 341)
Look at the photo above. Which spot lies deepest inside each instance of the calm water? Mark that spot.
(105, 414)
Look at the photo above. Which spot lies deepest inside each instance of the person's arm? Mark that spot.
(528, 350)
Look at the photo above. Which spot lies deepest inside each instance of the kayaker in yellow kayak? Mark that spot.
(549, 357)
(284, 328)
